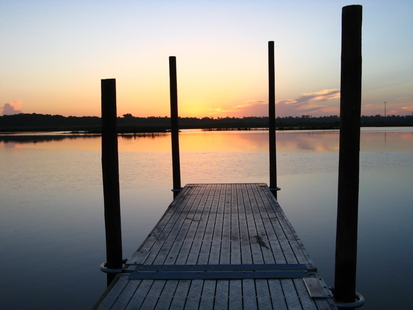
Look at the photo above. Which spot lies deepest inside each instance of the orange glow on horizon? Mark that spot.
(252, 141)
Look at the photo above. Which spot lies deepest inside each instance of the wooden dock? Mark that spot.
(220, 246)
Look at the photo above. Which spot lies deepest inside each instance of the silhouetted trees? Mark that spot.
(130, 123)
(47, 122)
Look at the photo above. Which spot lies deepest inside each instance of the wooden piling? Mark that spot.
(176, 169)
(348, 180)
(110, 173)
(271, 117)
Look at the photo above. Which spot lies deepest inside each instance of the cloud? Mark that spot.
(248, 108)
(309, 104)
(11, 108)
(321, 95)
(306, 104)
(407, 109)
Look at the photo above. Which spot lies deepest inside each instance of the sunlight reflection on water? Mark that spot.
(51, 219)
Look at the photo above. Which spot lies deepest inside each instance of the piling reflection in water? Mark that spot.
(251, 141)
(52, 204)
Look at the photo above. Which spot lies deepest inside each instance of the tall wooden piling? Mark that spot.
(271, 117)
(348, 180)
(110, 173)
(176, 167)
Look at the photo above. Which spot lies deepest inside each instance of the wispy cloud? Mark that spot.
(312, 103)
(408, 109)
(11, 108)
(248, 108)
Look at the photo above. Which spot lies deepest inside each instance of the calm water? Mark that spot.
(51, 216)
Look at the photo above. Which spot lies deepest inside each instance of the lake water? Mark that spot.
(51, 216)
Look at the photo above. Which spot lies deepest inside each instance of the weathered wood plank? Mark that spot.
(178, 302)
(152, 297)
(278, 236)
(225, 255)
(297, 247)
(218, 224)
(127, 293)
(167, 295)
(167, 252)
(306, 301)
(290, 294)
(113, 293)
(193, 298)
(235, 238)
(277, 295)
(217, 232)
(195, 218)
(154, 240)
(235, 291)
(263, 297)
(205, 205)
(139, 297)
(246, 251)
(206, 247)
(254, 238)
(172, 248)
(221, 295)
(249, 294)
(208, 295)
(263, 234)
(268, 236)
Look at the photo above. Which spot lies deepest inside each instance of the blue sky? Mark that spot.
(54, 54)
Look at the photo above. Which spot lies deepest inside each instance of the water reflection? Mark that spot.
(372, 140)
(52, 205)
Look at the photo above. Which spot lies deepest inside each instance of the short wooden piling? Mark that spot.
(110, 173)
(176, 169)
(271, 117)
(348, 181)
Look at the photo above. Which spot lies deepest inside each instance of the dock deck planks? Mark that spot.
(219, 224)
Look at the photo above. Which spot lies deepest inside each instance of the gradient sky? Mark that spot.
(54, 54)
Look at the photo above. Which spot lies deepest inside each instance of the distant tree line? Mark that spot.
(132, 124)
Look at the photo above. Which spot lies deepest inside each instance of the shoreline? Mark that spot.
(130, 124)
(149, 130)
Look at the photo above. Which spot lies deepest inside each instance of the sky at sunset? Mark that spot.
(54, 54)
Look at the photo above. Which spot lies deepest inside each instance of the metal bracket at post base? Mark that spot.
(275, 189)
(176, 189)
(105, 269)
(359, 302)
